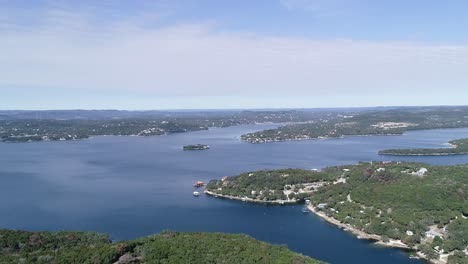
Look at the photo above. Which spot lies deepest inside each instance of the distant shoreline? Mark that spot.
(305, 138)
(425, 154)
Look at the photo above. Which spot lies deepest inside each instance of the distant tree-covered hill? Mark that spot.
(48, 126)
(380, 122)
(167, 247)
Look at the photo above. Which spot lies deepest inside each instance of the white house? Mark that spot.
(433, 234)
(421, 172)
(321, 205)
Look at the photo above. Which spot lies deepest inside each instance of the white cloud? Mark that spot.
(68, 52)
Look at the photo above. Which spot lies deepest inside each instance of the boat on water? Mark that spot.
(305, 209)
(196, 194)
(198, 184)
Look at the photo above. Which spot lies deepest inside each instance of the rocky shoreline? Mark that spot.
(376, 238)
(360, 234)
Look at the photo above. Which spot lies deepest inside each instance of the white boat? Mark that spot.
(196, 193)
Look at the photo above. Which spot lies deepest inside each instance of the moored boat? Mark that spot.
(198, 184)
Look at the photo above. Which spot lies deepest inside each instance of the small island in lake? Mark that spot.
(196, 147)
(458, 147)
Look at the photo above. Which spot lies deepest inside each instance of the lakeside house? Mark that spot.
(421, 172)
(321, 205)
(340, 180)
(433, 234)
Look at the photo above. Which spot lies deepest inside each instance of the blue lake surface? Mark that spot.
(136, 186)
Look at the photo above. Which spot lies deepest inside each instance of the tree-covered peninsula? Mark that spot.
(458, 147)
(409, 205)
(376, 122)
(272, 186)
(167, 247)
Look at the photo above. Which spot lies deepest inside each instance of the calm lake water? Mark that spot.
(134, 186)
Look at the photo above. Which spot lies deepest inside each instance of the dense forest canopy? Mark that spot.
(167, 247)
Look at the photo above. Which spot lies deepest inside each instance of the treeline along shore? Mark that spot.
(302, 124)
(458, 147)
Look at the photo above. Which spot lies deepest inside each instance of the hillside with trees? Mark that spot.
(167, 247)
(416, 205)
(272, 185)
(382, 122)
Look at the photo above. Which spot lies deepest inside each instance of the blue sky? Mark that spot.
(232, 54)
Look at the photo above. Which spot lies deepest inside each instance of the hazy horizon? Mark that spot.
(236, 109)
